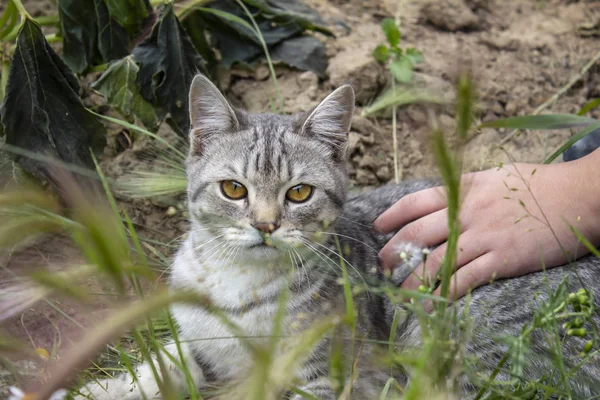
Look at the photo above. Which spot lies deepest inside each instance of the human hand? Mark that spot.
(514, 220)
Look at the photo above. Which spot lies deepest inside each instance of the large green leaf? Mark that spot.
(168, 63)
(118, 85)
(42, 111)
(90, 34)
(549, 121)
(129, 13)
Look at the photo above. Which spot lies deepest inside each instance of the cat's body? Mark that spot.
(263, 235)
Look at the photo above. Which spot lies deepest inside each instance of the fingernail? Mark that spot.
(376, 227)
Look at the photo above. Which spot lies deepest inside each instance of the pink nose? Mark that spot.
(266, 227)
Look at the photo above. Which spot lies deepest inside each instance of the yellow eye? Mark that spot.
(299, 193)
(233, 190)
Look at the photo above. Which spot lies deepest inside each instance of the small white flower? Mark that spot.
(18, 394)
(15, 393)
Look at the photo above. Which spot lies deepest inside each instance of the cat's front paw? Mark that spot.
(411, 256)
(121, 388)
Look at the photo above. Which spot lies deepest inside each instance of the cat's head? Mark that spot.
(266, 182)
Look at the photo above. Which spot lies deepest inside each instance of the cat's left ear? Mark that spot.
(330, 121)
(210, 114)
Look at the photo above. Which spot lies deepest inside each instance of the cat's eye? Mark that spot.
(233, 190)
(299, 193)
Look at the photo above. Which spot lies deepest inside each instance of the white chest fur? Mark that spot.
(245, 292)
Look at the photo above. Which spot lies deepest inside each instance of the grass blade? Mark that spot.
(541, 122)
(589, 106)
(110, 328)
(401, 98)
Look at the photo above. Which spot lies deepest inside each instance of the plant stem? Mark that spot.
(266, 50)
(22, 11)
(4, 79)
(98, 68)
(186, 9)
(47, 20)
(395, 137)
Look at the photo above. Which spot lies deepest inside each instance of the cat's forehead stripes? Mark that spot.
(267, 156)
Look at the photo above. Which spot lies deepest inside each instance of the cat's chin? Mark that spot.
(262, 252)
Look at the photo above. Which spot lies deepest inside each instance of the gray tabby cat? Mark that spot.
(261, 188)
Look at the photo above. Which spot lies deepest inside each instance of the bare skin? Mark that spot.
(500, 236)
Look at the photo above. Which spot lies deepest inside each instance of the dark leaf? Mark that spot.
(168, 62)
(42, 111)
(113, 40)
(79, 32)
(129, 13)
(195, 27)
(90, 34)
(392, 33)
(381, 53)
(118, 84)
(286, 11)
(234, 36)
(304, 52)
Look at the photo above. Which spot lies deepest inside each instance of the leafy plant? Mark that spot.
(148, 57)
(400, 61)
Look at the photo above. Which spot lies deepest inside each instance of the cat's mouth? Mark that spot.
(262, 245)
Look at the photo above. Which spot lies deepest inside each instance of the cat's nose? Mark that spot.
(266, 227)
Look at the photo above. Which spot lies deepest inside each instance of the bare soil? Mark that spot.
(522, 52)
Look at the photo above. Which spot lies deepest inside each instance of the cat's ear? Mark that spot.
(210, 113)
(330, 121)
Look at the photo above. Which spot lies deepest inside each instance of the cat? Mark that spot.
(269, 214)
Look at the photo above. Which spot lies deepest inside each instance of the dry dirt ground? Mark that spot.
(521, 52)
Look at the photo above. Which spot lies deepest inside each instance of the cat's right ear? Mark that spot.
(210, 113)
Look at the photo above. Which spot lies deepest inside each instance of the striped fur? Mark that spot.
(269, 154)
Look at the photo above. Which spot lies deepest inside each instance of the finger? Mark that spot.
(478, 272)
(410, 208)
(470, 247)
(428, 231)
